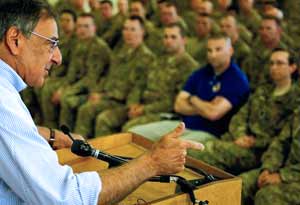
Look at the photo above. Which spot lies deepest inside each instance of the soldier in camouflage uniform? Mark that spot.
(165, 78)
(106, 17)
(196, 46)
(129, 67)
(94, 63)
(95, 10)
(67, 42)
(90, 54)
(241, 49)
(190, 16)
(253, 128)
(255, 65)
(248, 15)
(113, 35)
(277, 180)
(168, 15)
(153, 36)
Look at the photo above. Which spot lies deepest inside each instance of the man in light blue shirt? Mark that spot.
(29, 169)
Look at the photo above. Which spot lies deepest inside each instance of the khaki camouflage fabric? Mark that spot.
(129, 67)
(263, 117)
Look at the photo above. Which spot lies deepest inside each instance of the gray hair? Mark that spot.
(23, 14)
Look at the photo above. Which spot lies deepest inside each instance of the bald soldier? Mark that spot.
(156, 95)
(129, 68)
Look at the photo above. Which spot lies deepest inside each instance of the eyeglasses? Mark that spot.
(53, 42)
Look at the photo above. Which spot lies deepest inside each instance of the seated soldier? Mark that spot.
(89, 60)
(156, 94)
(277, 179)
(129, 68)
(211, 95)
(257, 123)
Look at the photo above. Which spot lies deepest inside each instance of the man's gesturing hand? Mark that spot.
(168, 154)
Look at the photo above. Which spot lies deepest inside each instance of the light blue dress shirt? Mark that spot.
(29, 169)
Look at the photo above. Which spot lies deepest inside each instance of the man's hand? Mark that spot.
(94, 97)
(135, 110)
(245, 141)
(266, 178)
(169, 153)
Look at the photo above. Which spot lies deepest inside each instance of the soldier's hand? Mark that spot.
(95, 97)
(135, 110)
(56, 97)
(245, 141)
(169, 153)
(267, 178)
(262, 178)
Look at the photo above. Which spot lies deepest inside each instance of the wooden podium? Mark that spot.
(226, 191)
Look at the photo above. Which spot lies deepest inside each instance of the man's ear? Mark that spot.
(13, 39)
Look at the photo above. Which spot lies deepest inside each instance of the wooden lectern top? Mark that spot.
(226, 191)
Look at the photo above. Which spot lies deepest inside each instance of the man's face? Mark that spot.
(279, 66)
(224, 3)
(228, 26)
(67, 22)
(94, 4)
(137, 9)
(195, 4)
(85, 28)
(173, 41)
(123, 6)
(219, 52)
(106, 10)
(38, 54)
(205, 7)
(133, 33)
(203, 25)
(168, 15)
(246, 5)
(269, 30)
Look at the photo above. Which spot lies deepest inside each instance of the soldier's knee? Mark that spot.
(265, 196)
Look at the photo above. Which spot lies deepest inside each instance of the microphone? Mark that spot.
(66, 131)
(83, 149)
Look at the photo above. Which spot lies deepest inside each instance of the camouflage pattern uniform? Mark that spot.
(281, 157)
(113, 35)
(252, 21)
(241, 50)
(164, 80)
(263, 117)
(55, 80)
(129, 67)
(95, 65)
(196, 47)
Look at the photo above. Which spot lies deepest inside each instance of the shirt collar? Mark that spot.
(11, 76)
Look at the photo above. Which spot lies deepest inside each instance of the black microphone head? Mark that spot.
(81, 148)
(65, 129)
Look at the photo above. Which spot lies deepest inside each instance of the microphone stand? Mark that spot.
(83, 149)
